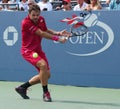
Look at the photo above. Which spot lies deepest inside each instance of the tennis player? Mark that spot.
(33, 30)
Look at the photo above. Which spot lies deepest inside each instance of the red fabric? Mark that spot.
(31, 42)
(28, 56)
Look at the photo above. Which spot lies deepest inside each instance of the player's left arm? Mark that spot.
(47, 35)
(53, 32)
(59, 33)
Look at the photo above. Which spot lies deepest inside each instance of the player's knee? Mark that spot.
(42, 65)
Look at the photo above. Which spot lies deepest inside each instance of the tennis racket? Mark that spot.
(77, 26)
(78, 31)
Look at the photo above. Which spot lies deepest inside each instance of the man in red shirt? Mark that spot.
(33, 30)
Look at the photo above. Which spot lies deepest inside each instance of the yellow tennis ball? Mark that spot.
(35, 55)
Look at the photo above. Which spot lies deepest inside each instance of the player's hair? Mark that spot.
(34, 8)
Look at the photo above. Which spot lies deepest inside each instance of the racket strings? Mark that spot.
(79, 31)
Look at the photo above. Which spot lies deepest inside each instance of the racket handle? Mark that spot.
(66, 38)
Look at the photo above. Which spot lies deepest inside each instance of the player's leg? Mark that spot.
(44, 76)
(46, 93)
(22, 89)
(34, 80)
(42, 65)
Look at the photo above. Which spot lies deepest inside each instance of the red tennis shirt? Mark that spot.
(31, 41)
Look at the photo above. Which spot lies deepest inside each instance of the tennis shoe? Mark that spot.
(22, 92)
(46, 97)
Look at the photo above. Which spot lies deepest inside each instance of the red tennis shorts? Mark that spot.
(28, 56)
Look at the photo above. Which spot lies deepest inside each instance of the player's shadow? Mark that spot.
(85, 102)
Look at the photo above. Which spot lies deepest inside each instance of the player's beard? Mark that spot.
(35, 20)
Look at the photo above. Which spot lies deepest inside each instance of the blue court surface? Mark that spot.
(64, 97)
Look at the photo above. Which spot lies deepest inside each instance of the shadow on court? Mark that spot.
(90, 103)
(64, 97)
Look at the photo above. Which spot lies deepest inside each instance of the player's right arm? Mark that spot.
(28, 27)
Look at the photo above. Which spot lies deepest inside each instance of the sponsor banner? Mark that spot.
(92, 59)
